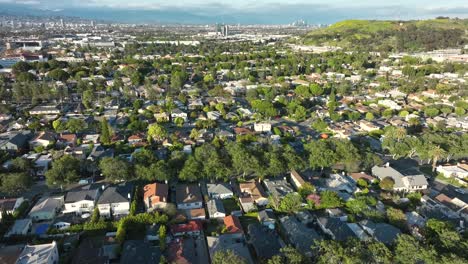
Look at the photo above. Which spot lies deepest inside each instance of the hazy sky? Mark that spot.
(247, 11)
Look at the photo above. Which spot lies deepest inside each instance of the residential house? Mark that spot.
(335, 228)
(161, 117)
(267, 218)
(219, 191)
(262, 127)
(299, 235)
(381, 232)
(195, 213)
(136, 140)
(251, 193)
(46, 208)
(264, 241)
(243, 131)
(139, 251)
(368, 126)
(233, 225)
(91, 138)
(82, 199)
(459, 171)
(45, 110)
(230, 242)
(297, 179)
(43, 139)
(155, 196)
(340, 183)
(98, 152)
(358, 231)
(187, 250)
(213, 115)
(278, 187)
(355, 176)
(115, 200)
(67, 139)
(390, 104)
(10, 205)
(21, 227)
(188, 196)
(177, 113)
(453, 198)
(14, 141)
(39, 254)
(192, 227)
(215, 208)
(405, 179)
(432, 208)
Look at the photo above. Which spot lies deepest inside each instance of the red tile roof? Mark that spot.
(233, 224)
(191, 226)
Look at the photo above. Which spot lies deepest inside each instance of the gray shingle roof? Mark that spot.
(116, 194)
(218, 188)
(87, 192)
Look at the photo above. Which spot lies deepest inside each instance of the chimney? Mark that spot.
(166, 181)
(128, 195)
(387, 164)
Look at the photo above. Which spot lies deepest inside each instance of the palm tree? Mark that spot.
(436, 153)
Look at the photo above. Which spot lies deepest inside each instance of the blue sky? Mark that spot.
(243, 11)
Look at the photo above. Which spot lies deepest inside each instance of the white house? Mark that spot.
(213, 115)
(44, 139)
(215, 208)
(409, 180)
(188, 197)
(262, 127)
(39, 254)
(390, 104)
(459, 171)
(115, 200)
(82, 199)
(219, 190)
(44, 110)
(179, 113)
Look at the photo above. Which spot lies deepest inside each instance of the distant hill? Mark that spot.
(393, 35)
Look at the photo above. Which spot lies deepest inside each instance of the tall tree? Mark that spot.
(115, 169)
(436, 153)
(105, 137)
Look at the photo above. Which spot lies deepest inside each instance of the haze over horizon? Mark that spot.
(242, 11)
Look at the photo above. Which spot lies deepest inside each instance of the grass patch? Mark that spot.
(230, 205)
(450, 180)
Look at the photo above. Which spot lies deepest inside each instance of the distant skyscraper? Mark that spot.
(226, 30)
(219, 28)
(62, 24)
(92, 23)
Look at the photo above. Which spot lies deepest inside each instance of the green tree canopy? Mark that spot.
(65, 170)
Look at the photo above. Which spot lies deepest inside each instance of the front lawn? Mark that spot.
(450, 180)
